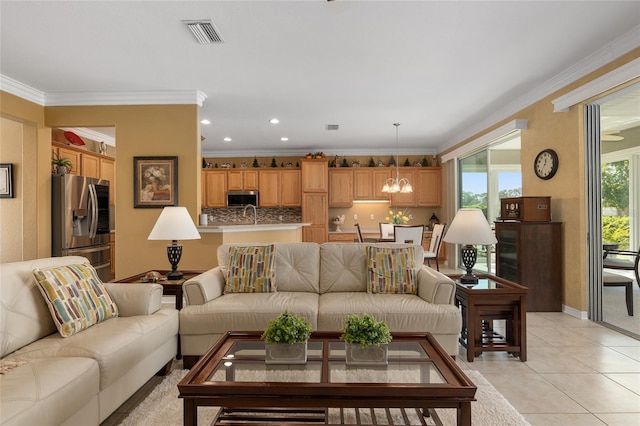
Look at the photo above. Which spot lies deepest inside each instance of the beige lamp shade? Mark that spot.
(469, 226)
(173, 224)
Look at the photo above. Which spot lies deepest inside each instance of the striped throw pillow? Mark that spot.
(391, 270)
(76, 297)
(250, 270)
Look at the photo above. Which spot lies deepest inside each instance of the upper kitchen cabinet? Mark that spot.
(340, 187)
(269, 188)
(315, 176)
(368, 183)
(428, 187)
(290, 188)
(90, 166)
(73, 155)
(108, 172)
(280, 188)
(242, 180)
(214, 188)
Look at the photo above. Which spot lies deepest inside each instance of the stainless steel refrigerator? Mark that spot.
(80, 220)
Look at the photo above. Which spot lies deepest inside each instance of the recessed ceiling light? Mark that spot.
(274, 121)
(205, 121)
(227, 139)
(284, 139)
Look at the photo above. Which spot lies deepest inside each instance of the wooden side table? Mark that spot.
(493, 298)
(169, 287)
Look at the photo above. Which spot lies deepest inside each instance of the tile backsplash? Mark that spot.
(265, 215)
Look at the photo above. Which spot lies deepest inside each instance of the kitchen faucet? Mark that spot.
(255, 213)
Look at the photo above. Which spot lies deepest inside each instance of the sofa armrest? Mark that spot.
(135, 299)
(435, 287)
(205, 287)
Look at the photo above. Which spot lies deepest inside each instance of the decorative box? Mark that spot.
(526, 209)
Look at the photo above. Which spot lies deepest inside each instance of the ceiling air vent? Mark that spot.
(204, 31)
(333, 126)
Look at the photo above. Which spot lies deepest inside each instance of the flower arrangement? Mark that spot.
(397, 218)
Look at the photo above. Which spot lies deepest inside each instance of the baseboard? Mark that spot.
(583, 315)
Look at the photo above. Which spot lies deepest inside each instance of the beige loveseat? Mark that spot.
(323, 283)
(83, 378)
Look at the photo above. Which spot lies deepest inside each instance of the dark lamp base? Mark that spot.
(468, 279)
(174, 275)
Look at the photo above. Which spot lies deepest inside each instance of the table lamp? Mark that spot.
(469, 227)
(174, 224)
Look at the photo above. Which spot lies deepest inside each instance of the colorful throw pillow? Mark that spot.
(250, 270)
(391, 270)
(76, 297)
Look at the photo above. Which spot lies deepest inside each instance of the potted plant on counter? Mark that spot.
(286, 339)
(366, 340)
(60, 165)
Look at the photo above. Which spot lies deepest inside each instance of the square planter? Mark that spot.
(285, 353)
(369, 355)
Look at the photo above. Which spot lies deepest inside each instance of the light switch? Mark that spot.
(372, 217)
(355, 216)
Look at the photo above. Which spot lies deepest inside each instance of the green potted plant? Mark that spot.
(286, 339)
(61, 165)
(366, 340)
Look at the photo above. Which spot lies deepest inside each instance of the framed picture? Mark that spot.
(6, 180)
(155, 182)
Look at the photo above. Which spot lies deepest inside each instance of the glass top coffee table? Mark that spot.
(420, 375)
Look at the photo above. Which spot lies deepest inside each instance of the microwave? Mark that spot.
(242, 198)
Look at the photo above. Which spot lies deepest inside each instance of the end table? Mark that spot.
(492, 298)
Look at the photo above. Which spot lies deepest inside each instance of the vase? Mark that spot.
(356, 354)
(285, 353)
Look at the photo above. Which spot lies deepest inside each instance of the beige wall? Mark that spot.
(563, 132)
(25, 220)
(145, 130)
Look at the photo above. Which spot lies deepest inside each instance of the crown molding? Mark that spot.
(9, 85)
(301, 153)
(166, 97)
(622, 45)
(92, 134)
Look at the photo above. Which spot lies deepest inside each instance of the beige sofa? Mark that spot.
(81, 379)
(323, 283)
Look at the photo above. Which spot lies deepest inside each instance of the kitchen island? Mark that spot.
(261, 232)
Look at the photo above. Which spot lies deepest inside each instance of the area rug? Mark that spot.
(163, 407)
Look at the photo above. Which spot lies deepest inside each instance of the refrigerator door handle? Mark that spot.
(93, 209)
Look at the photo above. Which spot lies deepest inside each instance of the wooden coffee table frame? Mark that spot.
(457, 391)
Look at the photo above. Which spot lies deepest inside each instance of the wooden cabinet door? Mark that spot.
(249, 180)
(405, 199)
(234, 180)
(428, 187)
(90, 165)
(362, 185)
(379, 178)
(108, 172)
(269, 188)
(216, 188)
(315, 211)
(290, 190)
(314, 176)
(340, 187)
(74, 157)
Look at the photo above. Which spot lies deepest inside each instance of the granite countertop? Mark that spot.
(249, 226)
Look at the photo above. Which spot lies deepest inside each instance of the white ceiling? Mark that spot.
(443, 69)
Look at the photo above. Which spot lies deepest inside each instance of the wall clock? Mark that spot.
(546, 164)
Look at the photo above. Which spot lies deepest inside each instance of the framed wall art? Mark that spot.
(6, 180)
(155, 182)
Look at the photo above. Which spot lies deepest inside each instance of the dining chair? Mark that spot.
(386, 231)
(364, 240)
(434, 246)
(410, 234)
(625, 260)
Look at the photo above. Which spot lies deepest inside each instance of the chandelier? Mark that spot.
(397, 185)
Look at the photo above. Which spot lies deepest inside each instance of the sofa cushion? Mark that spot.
(401, 312)
(76, 297)
(242, 312)
(24, 315)
(117, 344)
(52, 389)
(250, 270)
(391, 270)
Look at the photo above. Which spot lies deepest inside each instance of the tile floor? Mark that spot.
(577, 373)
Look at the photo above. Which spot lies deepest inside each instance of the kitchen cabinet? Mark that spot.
(74, 156)
(214, 188)
(108, 172)
(368, 183)
(242, 180)
(315, 210)
(407, 199)
(90, 165)
(530, 254)
(315, 176)
(290, 190)
(340, 187)
(428, 187)
(269, 187)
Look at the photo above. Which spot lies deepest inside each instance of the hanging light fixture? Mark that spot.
(397, 185)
